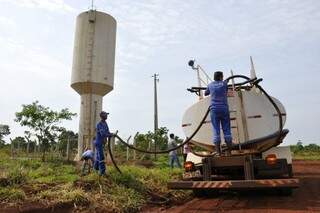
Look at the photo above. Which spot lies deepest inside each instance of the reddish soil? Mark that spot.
(37, 207)
(304, 199)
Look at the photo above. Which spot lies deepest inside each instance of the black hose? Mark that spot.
(254, 82)
(111, 157)
(168, 150)
(277, 109)
(165, 200)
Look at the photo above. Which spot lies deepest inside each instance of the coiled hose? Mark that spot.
(164, 199)
(253, 82)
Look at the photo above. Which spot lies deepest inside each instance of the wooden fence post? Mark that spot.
(68, 148)
(134, 144)
(128, 147)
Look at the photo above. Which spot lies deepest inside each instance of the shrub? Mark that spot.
(17, 176)
(11, 194)
(123, 199)
(65, 195)
(32, 164)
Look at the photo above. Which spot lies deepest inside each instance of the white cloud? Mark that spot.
(7, 23)
(159, 36)
(51, 5)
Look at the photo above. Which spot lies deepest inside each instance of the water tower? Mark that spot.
(92, 69)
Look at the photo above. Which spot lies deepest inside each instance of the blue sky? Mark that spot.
(36, 45)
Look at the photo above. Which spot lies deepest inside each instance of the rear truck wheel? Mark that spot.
(205, 193)
(285, 191)
(290, 172)
(199, 192)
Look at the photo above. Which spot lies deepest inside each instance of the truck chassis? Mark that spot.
(240, 171)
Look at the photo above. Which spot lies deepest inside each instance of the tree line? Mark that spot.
(45, 132)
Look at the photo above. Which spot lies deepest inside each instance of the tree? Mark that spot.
(143, 140)
(30, 143)
(43, 122)
(63, 138)
(160, 137)
(4, 130)
(312, 147)
(19, 143)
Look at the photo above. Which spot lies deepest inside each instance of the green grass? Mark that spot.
(163, 161)
(53, 173)
(307, 155)
(65, 194)
(10, 194)
(56, 181)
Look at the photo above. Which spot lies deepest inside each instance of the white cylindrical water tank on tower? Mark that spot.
(92, 69)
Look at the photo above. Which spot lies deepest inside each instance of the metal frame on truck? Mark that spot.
(242, 170)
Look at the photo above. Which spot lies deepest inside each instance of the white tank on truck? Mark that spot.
(252, 117)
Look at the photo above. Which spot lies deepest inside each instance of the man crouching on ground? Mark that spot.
(88, 159)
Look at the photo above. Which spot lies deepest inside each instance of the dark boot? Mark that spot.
(218, 150)
(229, 148)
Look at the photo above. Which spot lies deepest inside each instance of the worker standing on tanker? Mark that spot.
(102, 134)
(219, 111)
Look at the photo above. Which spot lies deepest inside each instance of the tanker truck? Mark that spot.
(256, 161)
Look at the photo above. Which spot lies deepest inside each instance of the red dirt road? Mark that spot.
(304, 199)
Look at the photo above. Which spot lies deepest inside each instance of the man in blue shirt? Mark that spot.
(219, 111)
(103, 133)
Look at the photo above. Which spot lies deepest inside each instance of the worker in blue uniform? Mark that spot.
(88, 160)
(219, 111)
(102, 134)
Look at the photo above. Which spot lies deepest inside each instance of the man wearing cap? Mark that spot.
(103, 133)
(219, 111)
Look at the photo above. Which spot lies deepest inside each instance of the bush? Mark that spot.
(126, 199)
(48, 173)
(11, 194)
(65, 195)
(128, 180)
(17, 176)
(31, 164)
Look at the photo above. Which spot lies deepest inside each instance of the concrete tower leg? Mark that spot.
(91, 106)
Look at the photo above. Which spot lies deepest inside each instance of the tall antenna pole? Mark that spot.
(155, 80)
(92, 4)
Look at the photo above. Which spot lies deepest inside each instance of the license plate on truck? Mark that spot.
(191, 174)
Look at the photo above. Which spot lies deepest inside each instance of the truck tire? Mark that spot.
(290, 172)
(205, 193)
(199, 193)
(285, 192)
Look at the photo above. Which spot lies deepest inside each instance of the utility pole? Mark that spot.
(155, 80)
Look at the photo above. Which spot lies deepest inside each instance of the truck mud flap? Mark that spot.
(235, 184)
